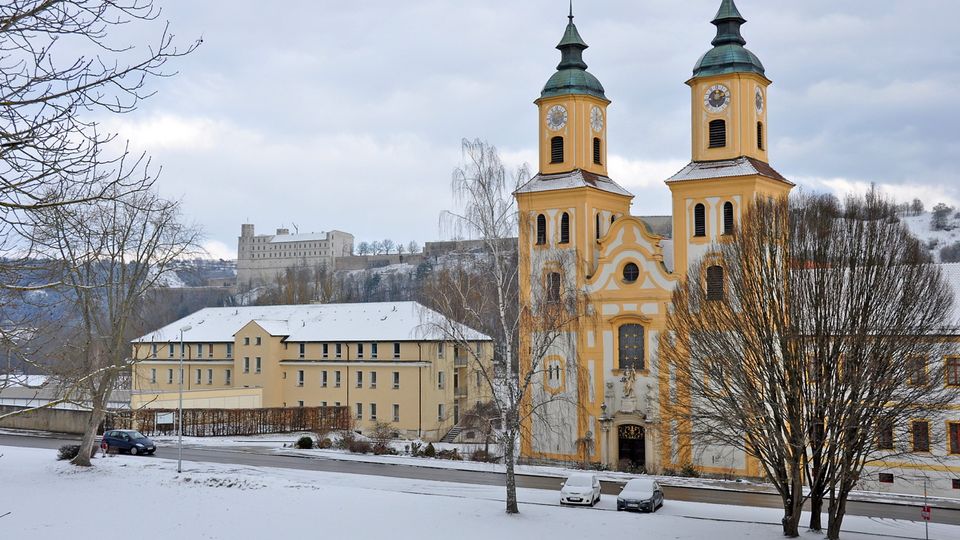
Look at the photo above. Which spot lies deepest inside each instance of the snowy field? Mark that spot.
(146, 497)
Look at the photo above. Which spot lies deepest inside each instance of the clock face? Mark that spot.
(596, 119)
(556, 117)
(759, 101)
(717, 98)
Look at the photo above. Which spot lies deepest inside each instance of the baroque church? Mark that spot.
(577, 234)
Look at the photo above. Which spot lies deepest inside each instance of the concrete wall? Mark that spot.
(58, 420)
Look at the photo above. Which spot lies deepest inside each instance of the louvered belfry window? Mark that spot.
(760, 135)
(699, 220)
(718, 133)
(565, 228)
(728, 218)
(596, 151)
(715, 283)
(556, 150)
(541, 230)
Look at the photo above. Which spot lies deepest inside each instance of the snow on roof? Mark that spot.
(572, 180)
(385, 321)
(743, 166)
(305, 237)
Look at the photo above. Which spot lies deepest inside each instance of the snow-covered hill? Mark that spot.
(934, 240)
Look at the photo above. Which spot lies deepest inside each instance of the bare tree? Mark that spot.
(413, 247)
(794, 340)
(482, 293)
(376, 247)
(363, 248)
(111, 255)
(387, 246)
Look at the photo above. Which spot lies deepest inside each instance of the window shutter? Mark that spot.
(541, 230)
(728, 218)
(699, 220)
(556, 150)
(715, 283)
(760, 135)
(596, 151)
(718, 134)
(565, 228)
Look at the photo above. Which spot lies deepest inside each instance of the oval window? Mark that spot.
(631, 272)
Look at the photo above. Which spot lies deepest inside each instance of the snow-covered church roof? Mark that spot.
(385, 321)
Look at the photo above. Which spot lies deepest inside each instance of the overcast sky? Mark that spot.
(348, 115)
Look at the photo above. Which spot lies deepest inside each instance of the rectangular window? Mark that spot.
(440, 350)
(373, 350)
(323, 378)
(479, 379)
(373, 379)
(326, 351)
(246, 341)
(153, 375)
(440, 411)
(209, 376)
(917, 371)
(396, 380)
(323, 403)
(246, 364)
(359, 350)
(336, 404)
(170, 350)
(954, 428)
(373, 411)
(921, 436)
(169, 376)
(210, 349)
(440, 380)
(300, 377)
(359, 379)
(885, 436)
(259, 341)
(956, 483)
(258, 365)
(886, 478)
(396, 412)
(199, 375)
(336, 379)
(229, 350)
(338, 349)
(199, 350)
(359, 411)
(153, 350)
(553, 287)
(396, 350)
(953, 371)
(631, 346)
(228, 377)
(303, 350)
(300, 403)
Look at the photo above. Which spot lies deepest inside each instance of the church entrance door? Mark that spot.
(632, 447)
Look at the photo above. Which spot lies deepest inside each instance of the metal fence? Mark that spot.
(227, 422)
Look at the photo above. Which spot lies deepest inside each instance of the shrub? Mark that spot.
(382, 434)
(597, 466)
(346, 438)
(429, 451)
(689, 471)
(325, 443)
(415, 448)
(384, 449)
(358, 446)
(452, 455)
(304, 443)
(951, 253)
(70, 451)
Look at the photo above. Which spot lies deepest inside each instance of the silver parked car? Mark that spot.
(581, 488)
(640, 494)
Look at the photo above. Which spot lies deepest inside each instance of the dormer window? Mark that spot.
(718, 133)
(556, 150)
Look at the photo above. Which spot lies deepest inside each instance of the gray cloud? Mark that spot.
(349, 114)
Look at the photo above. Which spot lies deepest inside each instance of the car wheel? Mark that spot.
(133, 450)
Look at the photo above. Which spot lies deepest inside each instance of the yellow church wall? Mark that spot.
(741, 117)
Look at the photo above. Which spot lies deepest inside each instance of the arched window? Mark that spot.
(728, 218)
(596, 151)
(556, 150)
(541, 230)
(630, 347)
(631, 272)
(699, 220)
(715, 283)
(598, 225)
(553, 288)
(565, 228)
(760, 135)
(718, 133)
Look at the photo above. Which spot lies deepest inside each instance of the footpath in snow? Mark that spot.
(146, 498)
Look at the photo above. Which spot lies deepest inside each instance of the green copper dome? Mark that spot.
(572, 76)
(728, 54)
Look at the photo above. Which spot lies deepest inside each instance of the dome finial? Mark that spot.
(728, 54)
(571, 11)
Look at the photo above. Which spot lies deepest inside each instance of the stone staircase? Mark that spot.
(452, 435)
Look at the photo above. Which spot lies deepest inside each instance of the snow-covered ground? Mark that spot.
(146, 497)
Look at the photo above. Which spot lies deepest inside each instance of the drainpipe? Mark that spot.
(346, 381)
(419, 390)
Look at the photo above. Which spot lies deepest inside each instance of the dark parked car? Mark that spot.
(641, 494)
(129, 440)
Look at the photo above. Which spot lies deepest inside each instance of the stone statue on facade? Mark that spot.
(629, 379)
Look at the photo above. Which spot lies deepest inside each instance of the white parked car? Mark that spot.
(641, 494)
(581, 488)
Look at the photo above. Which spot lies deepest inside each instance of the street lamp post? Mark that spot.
(180, 406)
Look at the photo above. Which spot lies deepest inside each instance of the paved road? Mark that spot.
(254, 458)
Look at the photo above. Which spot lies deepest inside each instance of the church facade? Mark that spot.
(577, 234)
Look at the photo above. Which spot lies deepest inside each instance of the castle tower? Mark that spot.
(730, 165)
